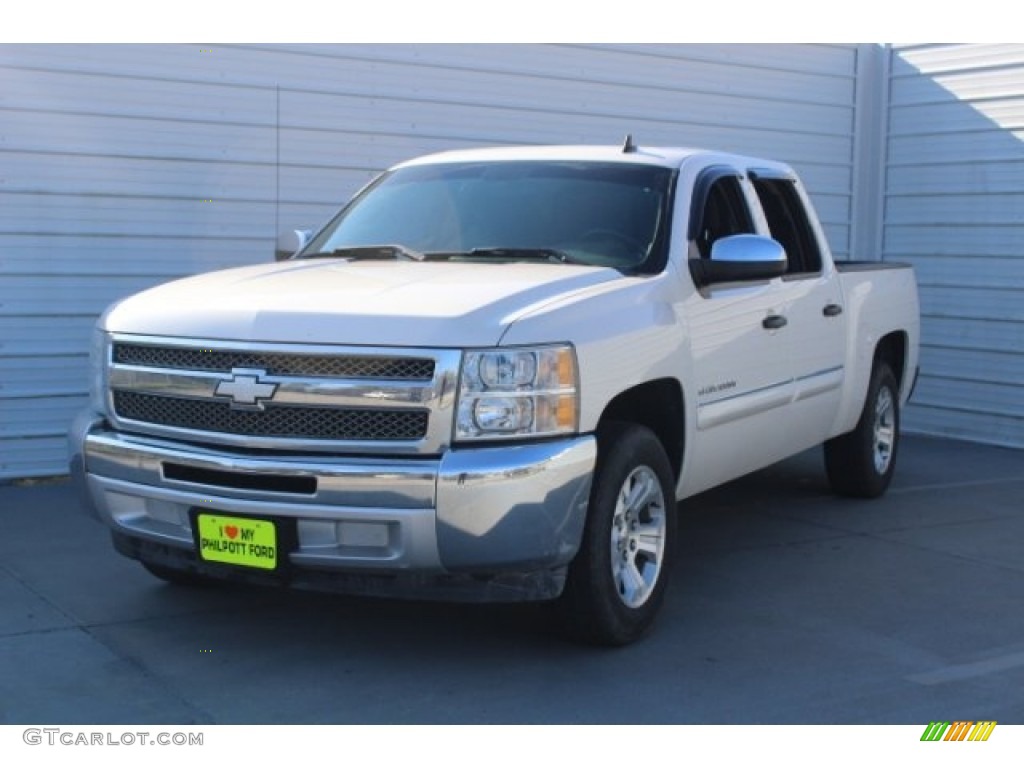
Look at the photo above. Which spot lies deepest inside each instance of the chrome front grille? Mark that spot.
(284, 396)
(272, 421)
(275, 363)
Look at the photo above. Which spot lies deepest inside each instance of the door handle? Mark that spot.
(831, 310)
(773, 322)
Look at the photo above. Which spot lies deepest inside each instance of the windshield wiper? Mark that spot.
(393, 252)
(369, 253)
(510, 254)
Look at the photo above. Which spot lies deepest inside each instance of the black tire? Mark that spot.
(861, 462)
(177, 577)
(608, 602)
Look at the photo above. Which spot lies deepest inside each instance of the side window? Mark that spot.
(788, 223)
(725, 213)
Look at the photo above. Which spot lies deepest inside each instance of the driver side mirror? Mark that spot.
(290, 242)
(740, 257)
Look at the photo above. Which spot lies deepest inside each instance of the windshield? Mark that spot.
(604, 214)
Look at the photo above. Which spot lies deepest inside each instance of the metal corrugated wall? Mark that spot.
(122, 166)
(954, 207)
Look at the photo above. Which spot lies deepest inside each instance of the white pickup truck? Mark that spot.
(491, 376)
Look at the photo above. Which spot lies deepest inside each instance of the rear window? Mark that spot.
(788, 223)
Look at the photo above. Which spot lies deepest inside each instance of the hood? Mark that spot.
(374, 303)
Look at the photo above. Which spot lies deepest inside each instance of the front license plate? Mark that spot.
(237, 541)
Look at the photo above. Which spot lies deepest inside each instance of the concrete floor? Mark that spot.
(788, 605)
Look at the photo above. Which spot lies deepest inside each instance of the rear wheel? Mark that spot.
(617, 582)
(861, 462)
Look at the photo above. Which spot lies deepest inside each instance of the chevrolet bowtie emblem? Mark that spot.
(245, 389)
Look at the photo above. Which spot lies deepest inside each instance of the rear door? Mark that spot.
(814, 338)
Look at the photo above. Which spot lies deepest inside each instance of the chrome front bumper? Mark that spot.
(494, 513)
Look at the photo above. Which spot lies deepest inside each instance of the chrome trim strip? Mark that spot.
(288, 348)
(726, 409)
(164, 381)
(748, 393)
(408, 484)
(736, 406)
(822, 372)
(339, 393)
(818, 383)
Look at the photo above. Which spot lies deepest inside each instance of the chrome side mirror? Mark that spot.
(290, 242)
(740, 257)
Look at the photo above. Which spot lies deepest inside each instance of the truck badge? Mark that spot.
(245, 389)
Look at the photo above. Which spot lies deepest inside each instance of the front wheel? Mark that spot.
(617, 582)
(861, 462)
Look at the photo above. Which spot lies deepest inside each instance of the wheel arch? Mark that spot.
(658, 405)
(892, 350)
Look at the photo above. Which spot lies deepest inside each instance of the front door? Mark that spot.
(743, 377)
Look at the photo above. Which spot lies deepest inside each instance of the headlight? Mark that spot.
(99, 352)
(529, 392)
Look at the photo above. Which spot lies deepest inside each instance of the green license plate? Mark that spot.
(237, 541)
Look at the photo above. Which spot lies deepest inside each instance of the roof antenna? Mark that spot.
(628, 146)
